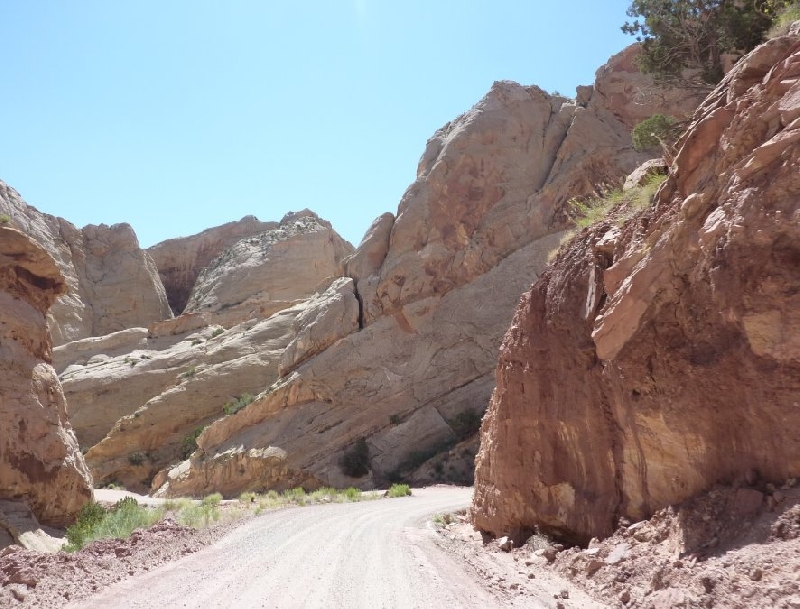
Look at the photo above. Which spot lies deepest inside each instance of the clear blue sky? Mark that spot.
(180, 115)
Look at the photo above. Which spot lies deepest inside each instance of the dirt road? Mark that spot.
(372, 554)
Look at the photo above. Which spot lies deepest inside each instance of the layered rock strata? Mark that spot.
(40, 464)
(658, 357)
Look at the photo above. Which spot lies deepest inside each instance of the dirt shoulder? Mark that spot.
(730, 547)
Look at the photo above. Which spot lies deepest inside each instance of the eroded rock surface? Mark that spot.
(273, 270)
(111, 284)
(437, 284)
(651, 361)
(180, 261)
(40, 463)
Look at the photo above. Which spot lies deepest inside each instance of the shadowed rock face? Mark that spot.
(437, 285)
(180, 261)
(651, 361)
(39, 458)
(111, 283)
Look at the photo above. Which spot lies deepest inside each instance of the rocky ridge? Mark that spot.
(180, 261)
(43, 477)
(656, 356)
(111, 283)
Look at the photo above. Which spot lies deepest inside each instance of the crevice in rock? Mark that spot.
(360, 305)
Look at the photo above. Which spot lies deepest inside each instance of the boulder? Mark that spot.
(639, 373)
(40, 463)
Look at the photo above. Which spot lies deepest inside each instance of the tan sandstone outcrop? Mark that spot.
(273, 270)
(181, 260)
(437, 287)
(653, 360)
(40, 463)
(111, 283)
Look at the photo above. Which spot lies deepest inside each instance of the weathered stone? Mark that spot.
(39, 458)
(180, 261)
(111, 283)
(273, 270)
(687, 371)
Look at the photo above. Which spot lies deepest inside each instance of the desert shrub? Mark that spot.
(94, 522)
(213, 500)
(189, 443)
(355, 461)
(196, 341)
(394, 419)
(466, 423)
(217, 332)
(5, 218)
(236, 403)
(189, 372)
(136, 458)
(351, 494)
(658, 130)
(442, 520)
(90, 515)
(783, 20)
(247, 498)
(294, 493)
(399, 490)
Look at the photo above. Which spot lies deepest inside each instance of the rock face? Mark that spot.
(271, 271)
(40, 463)
(651, 361)
(437, 286)
(111, 283)
(180, 261)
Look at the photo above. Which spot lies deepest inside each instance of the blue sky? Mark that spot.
(181, 115)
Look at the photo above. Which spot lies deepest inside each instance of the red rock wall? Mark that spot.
(643, 369)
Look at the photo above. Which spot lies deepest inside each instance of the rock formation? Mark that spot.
(180, 261)
(437, 286)
(656, 358)
(111, 284)
(40, 464)
(271, 271)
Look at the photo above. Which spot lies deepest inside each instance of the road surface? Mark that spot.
(370, 554)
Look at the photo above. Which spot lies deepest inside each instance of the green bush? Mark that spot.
(212, 500)
(94, 522)
(653, 132)
(189, 372)
(466, 423)
(217, 332)
(5, 218)
(189, 443)
(236, 403)
(355, 461)
(351, 494)
(783, 20)
(136, 458)
(90, 515)
(399, 490)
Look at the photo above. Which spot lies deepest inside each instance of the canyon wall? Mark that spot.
(659, 355)
(40, 464)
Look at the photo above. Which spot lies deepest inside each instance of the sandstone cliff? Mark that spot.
(40, 464)
(138, 396)
(111, 283)
(658, 357)
(437, 285)
(180, 261)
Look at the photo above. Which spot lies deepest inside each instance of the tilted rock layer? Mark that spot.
(111, 283)
(40, 463)
(651, 361)
(437, 286)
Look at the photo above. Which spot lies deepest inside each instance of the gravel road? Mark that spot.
(372, 554)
